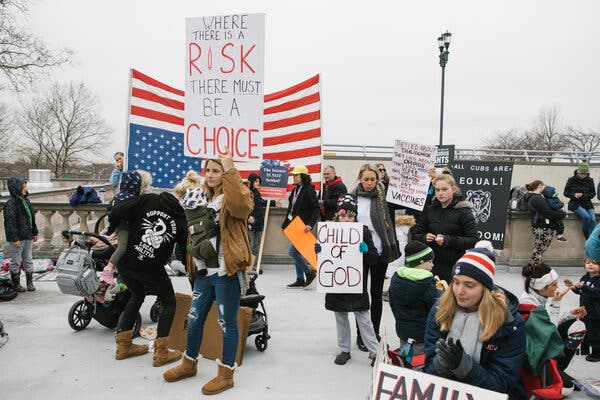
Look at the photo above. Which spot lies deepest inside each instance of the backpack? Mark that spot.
(83, 195)
(518, 202)
(76, 272)
(202, 226)
(7, 290)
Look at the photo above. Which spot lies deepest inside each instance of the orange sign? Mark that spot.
(303, 241)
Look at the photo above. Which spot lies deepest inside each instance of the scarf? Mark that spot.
(467, 328)
(381, 222)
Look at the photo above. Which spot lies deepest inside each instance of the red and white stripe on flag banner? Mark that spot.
(292, 127)
(292, 121)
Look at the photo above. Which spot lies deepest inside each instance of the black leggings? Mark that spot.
(158, 283)
(377, 273)
(563, 330)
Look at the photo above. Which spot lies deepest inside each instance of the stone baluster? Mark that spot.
(48, 230)
(83, 217)
(66, 224)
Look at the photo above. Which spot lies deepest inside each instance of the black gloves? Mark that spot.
(451, 356)
(317, 247)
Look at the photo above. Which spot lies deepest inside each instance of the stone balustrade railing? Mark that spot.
(53, 218)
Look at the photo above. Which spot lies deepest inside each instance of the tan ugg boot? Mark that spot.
(125, 348)
(187, 369)
(162, 354)
(223, 380)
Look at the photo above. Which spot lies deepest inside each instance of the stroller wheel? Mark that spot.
(155, 311)
(261, 342)
(79, 315)
(137, 325)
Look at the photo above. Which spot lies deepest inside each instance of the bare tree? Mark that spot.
(509, 139)
(5, 130)
(22, 55)
(547, 134)
(65, 127)
(36, 123)
(579, 140)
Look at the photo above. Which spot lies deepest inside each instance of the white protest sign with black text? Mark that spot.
(340, 260)
(392, 382)
(409, 181)
(224, 86)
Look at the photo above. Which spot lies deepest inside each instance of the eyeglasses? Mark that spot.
(382, 169)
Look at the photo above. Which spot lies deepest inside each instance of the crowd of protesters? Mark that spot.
(442, 295)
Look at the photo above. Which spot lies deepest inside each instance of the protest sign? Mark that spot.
(445, 155)
(340, 260)
(409, 181)
(224, 97)
(392, 382)
(486, 184)
(303, 241)
(273, 179)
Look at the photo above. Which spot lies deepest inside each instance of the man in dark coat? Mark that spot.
(580, 190)
(333, 189)
(21, 231)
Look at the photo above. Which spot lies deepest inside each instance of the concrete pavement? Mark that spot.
(45, 359)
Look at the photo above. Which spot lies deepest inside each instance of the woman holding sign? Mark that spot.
(373, 212)
(303, 203)
(447, 226)
(224, 192)
(475, 334)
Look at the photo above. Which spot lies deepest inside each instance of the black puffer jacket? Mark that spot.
(306, 206)
(542, 216)
(347, 302)
(17, 222)
(258, 212)
(457, 223)
(584, 186)
(331, 193)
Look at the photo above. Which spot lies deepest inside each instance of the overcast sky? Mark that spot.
(378, 60)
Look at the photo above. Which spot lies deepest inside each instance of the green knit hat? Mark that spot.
(583, 168)
(417, 253)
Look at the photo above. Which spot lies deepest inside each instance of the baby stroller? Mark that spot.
(259, 323)
(77, 267)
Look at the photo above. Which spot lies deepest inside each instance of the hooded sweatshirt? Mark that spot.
(157, 222)
(19, 215)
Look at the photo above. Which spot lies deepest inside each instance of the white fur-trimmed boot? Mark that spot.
(187, 369)
(223, 380)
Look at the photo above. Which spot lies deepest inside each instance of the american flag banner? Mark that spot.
(292, 130)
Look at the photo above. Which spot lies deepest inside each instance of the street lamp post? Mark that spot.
(443, 44)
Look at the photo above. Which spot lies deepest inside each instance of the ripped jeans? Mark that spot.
(226, 291)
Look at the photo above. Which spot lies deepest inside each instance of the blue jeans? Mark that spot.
(226, 291)
(300, 263)
(588, 219)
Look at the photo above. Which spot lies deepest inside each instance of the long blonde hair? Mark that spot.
(208, 191)
(491, 312)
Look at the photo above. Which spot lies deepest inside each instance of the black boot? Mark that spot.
(29, 279)
(16, 280)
